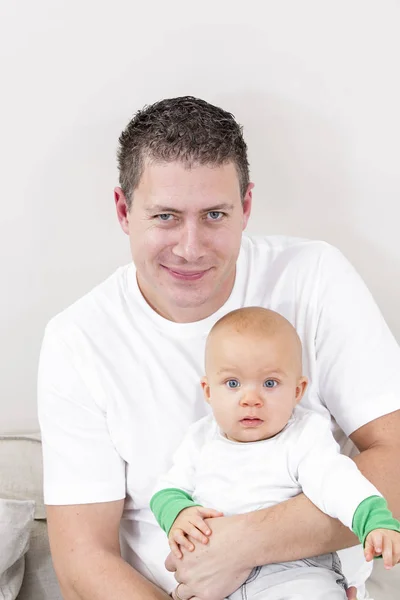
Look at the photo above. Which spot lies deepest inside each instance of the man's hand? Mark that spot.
(383, 542)
(190, 521)
(215, 570)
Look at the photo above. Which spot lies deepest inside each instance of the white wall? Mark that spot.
(315, 84)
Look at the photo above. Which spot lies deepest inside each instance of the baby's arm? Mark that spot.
(377, 530)
(334, 484)
(172, 504)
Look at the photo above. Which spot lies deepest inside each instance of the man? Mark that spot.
(120, 369)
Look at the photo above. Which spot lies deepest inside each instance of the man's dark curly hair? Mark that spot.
(184, 129)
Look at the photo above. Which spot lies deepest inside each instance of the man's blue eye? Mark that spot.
(164, 216)
(232, 383)
(270, 383)
(215, 215)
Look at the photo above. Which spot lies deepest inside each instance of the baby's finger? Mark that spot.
(201, 525)
(174, 548)
(369, 551)
(180, 538)
(196, 533)
(387, 553)
(209, 512)
(377, 541)
(396, 552)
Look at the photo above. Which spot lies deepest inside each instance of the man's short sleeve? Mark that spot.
(358, 359)
(81, 464)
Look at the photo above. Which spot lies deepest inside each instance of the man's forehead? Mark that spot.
(174, 178)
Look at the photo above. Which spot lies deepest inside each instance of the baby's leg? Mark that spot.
(318, 578)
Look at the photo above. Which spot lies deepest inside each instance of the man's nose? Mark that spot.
(190, 244)
(252, 399)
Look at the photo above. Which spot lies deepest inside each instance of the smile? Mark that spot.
(185, 275)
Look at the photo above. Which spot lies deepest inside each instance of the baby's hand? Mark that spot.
(190, 521)
(385, 542)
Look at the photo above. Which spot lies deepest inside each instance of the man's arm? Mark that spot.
(293, 529)
(379, 445)
(83, 515)
(84, 540)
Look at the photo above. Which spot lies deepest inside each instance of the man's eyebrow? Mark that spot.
(162, 208)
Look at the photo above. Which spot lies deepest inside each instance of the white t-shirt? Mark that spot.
(235, 477)
(119, 384)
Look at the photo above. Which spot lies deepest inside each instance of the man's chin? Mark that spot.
(184, 301)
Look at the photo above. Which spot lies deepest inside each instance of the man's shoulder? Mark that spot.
(99, 305)
(298, 262)
(289, 247)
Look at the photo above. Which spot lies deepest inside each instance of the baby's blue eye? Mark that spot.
(232, 383)
(270, 383)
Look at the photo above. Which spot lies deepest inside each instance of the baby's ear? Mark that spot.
(206, 389)
(301, 388)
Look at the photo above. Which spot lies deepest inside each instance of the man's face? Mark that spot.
(185, 229)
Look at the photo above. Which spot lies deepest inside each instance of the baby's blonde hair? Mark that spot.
(257, 321)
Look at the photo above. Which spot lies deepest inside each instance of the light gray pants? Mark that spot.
(317, 578)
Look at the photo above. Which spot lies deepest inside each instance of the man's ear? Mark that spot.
(301, 388)
(122, 209)
(206, 389)
(246, 205)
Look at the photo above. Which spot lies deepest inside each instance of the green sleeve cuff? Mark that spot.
(167, 504)
(373, 513)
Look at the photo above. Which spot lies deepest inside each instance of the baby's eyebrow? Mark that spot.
(228, 370)
(275, 372)
(264, 373)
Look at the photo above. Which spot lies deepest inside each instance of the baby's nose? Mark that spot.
(251, 398)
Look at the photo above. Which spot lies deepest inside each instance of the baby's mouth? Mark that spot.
(251, 421)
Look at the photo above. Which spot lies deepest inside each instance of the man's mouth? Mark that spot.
(185, 275)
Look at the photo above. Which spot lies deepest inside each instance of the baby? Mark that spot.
(260, 448)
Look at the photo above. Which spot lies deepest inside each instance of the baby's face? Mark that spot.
(253, 383)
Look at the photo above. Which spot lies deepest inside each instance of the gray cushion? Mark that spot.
(39, 580)
(16, 517)
(21, 478)
(21, 472)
